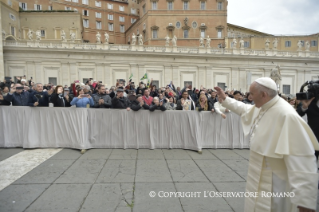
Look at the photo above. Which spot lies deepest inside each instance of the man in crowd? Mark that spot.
(18, 96)
(281, 152)
(38, 97)
(140, 89)
(237, 95)
(101, 99)
(119, 101)
(147, 98)
(186, 102)
(139, 104)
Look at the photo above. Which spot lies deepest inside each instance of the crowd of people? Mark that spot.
(124, 95)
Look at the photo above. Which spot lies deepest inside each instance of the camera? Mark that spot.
(313, 91)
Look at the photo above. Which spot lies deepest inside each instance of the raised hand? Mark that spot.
(220, 93)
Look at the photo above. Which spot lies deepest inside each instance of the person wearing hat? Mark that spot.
(139, 104)
(119, 101)
(282, 148)
(17, 96)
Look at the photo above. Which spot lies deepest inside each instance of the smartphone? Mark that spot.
(65, 93)
(84, 95)
(20, 88)
(49, 87)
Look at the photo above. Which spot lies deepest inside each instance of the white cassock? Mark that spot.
(282, 147)
(219, 108)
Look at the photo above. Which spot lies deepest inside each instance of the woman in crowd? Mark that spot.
(249, 100)
(58, 99)
(203, 104)
(293, 103)
(170, 105)
(157, 105)
(81, 100)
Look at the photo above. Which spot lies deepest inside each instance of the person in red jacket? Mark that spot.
(147, 98)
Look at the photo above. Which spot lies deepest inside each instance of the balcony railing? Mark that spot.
(166, 49)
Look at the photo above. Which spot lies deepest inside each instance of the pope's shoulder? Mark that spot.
(283, 109)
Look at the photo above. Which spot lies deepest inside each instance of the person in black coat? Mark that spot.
(17, 96)
(139, 104)
(203, 104)
(38, 97)
(58, 99)
(121, 102)
(157, 105)
(311, 108)
(183, 100)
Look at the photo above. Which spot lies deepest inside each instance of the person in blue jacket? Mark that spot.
(82, 101)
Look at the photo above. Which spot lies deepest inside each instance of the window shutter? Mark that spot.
(88, 13)
(20, 4)
(40, 7)
(35, 7)
(26, 6)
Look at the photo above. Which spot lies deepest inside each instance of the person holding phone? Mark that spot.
(38, 97)
(58, 99)
(17, 96)
(82, 100)
(121, 102)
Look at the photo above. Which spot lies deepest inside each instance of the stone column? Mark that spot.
(141, 72)
(30, 71)
(64, 74)
(39, 72)
(300, 78)
(176, 76)
(99, 72)
(234, 78)
(201, 76)
(1, 50)
(242, 79)
(107, 75)
(134, 71)
(73, 73)
(168, 74)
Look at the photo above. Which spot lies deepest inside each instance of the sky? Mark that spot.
(277, 17)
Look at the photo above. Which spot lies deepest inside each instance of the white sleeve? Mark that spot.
(236, 106)
(303, 180)
(217, 108)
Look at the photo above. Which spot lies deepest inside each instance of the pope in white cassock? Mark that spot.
(282, 147)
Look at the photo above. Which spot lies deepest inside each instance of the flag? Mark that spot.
(148, 83)
(144, 77)
(130, 76)
(171, 85)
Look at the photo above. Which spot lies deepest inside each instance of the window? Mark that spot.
(10, 3)
(53, 80)
(154, 5)
(133, 11)
(67, 0)
(185, 33)
(109, 6)
(85, 23)
(23, 5)
(75, 10)
(76, 1)
(42, 33)
(12, 30)
(122, 19)
(154, 33)
(144, 11)
(189, 83)
(219, 33)
(84, 1)
(202, 33)
(67, 8)
(170, 5)
(133, 20)
(288, 44)
(203, 5)
(85, 13)
(37, 7)
(50, 8)
(121, 8)
(110, 17)
(110, 27)
(97, 3)
(178, 24)
(98, 25)
(221, 85)
(246, 44)
(219, 6)
(98, 15)
(185, 5)
(314, 43)
(122, 28)
(286, 89)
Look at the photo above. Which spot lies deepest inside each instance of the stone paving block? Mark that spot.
(123, 154)
(237, 165)
(47, 172)
(82, 171)
(224, 154)
(68, 154)
(8, 152)
(203, 201)
(156, 154)
(152, 171)
(117, 171)
(237, 203)
(143, 201)
(216, 171)
(243, 152)
(206, 155)
(16, 198)
(109, 197)
(176, 154)
(93, 154)
(186, 171)
(60, 198)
